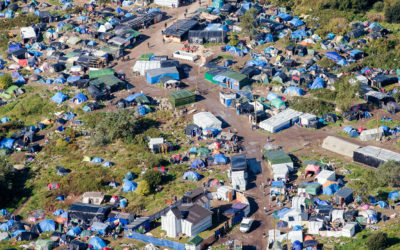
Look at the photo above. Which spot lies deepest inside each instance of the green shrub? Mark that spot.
(308, 105)
(5, 81)
(377, 241)
(143, 188)
(153, 178)
(378, 6)
(392, 13)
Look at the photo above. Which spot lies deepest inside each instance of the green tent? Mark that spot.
(313, 188)
(203, 151)
(5, 95)
(101, 72)
(113, 82)
(181, 97)
(85, 233)
(42, 244)
(278, 103)
(11, 89)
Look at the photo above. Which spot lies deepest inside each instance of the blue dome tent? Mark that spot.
(59, 97)
(47, 225)
(97, 243)
(129, 186)
(191, 176)
(318, 83)
(97, 160)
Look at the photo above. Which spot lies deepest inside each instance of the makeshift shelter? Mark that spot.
(344, 195)
(207, 120)
(181, 97)
(326, 175)
(374, 156)
(153, 75)
(313, 188)
(280, 121)
(339, 146)
(191, 176)
(278, 103)
(374, 134)
(100, 228)
(179, 30)
(142, 66)
(198, 163)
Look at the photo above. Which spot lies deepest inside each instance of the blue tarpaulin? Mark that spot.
(74, 231)
(97, 160)
(394, 195)
(47, 225)
(295, 22)
(334, 56)
(159, 242)
(293, 91)
(284, 16)
(331, 189)
(7, 143)
(198, 163)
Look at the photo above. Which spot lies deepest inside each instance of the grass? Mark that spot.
(376, 123)
(30, 109)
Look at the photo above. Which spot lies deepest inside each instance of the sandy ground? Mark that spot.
(293, 139)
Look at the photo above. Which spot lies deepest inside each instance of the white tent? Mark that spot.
(349, 230)
(371, 134)
(326, 175)
(314, 227)
(338, 215)
(298, 202)
(105, 27)
(143, 66)
(370, 216)
(224, 191)
(339, 146)
(207, 120)
(167, 3)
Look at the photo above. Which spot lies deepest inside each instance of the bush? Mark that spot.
(392, 13)
(8, 183)
(5, 81)
(143, 188)
(377, 241)
(324, 94)
(388, 174)
(233, 40)
(308, 105)
(153, 178)
(116, 125)
(378, 6)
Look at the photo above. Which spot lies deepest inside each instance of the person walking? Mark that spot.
(148, 45)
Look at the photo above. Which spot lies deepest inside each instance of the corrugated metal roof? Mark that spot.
(379, 153)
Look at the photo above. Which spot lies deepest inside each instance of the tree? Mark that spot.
(378, 6)
(143, 188)
(153, 178)
(377, 241)
(388, 174)
(392, 13)
(116, 125)
(233, 40)
(5, 81)
(8, 182)
(248, 23)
